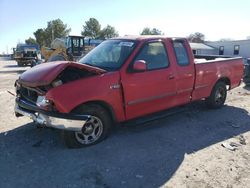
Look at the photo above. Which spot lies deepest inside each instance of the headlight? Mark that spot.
(42, 101)
(17, 85)
(57, 83)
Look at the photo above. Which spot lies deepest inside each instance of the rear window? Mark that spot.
(181, 53)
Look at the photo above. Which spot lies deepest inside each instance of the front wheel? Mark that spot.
(218, 96)
(93, 132)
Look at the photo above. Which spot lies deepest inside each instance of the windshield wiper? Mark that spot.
(100, 67)
(106, 68)
(88, 64)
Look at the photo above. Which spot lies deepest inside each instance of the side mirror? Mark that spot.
(140, 66)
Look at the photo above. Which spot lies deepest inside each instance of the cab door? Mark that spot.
(151, 90)
(185, 70)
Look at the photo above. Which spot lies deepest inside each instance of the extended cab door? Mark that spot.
(185, 70)
(151, 90)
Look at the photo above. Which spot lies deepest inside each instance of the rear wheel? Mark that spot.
(218, 96)
(93, 132)
(19, 64)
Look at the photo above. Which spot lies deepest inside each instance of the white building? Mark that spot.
(231, 48)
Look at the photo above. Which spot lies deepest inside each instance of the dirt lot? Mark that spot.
(183, 150)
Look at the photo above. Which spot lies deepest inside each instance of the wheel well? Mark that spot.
(104, 105)
(226, 81)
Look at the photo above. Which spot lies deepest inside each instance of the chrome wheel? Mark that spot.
(94, 131)
(91, 131)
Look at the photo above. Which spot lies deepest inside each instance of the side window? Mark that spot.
(181, 53)
(155, 56)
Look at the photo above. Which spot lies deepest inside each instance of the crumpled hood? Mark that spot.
(45, 73)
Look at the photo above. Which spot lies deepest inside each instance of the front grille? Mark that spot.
(28, 94)
(29, 54)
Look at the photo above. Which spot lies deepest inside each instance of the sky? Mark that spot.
(216, 19)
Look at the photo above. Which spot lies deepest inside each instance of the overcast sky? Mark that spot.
(215, 18)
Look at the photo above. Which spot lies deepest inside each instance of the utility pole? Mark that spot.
(52, 33)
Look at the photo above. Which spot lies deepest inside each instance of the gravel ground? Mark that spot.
(182, 150)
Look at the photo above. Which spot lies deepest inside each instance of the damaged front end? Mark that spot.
(71, 122)
(31, 90)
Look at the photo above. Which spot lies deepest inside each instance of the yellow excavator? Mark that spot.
(70, 48)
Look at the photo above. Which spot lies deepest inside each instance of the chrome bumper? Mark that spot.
(55, 122)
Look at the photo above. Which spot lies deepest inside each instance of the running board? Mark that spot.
(155, 116)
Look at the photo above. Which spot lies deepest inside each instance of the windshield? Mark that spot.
(27, 47)
(109, 55)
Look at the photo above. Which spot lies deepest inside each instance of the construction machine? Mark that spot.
(70, 48)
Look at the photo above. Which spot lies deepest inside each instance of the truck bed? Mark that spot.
(206, 69)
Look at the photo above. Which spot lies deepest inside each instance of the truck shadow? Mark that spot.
(138, 156)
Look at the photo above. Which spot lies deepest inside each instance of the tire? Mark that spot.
(218, 96)
(100, 121)
(19, 64)
(33, 63)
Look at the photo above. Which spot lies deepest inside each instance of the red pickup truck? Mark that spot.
(120, 80)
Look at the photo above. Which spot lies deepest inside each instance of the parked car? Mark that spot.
(27, 54)
(120, 80)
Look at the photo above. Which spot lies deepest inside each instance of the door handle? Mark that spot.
(171, 77)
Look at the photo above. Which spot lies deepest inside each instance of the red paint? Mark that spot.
(131, 95)
(44, 74)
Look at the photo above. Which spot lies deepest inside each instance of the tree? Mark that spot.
(55, 29)
(40, 36)
(92, 28)
(148, 31)
(30, 41)
(108, 32)
(196, 37)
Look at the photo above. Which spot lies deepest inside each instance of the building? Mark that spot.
(201, 49)
(231, 48)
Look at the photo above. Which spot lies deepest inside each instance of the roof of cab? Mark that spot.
(144, 37)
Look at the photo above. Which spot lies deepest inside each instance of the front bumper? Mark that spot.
(71, 122)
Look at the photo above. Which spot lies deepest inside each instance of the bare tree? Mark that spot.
(196, 37)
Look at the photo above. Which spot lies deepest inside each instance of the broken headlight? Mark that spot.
(43, 102)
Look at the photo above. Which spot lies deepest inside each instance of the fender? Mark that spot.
(102, 87)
